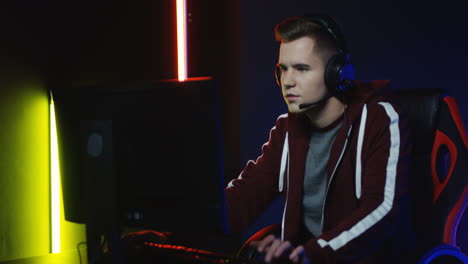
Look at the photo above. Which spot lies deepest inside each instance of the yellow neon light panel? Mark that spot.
(54, 183)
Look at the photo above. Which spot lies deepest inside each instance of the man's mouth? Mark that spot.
(292, 97)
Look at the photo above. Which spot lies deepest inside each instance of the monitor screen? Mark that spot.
(143, 155)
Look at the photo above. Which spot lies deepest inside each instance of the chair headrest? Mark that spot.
(421, 107)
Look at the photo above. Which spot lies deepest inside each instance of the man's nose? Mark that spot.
(288, 80)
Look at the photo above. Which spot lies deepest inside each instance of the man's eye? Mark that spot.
(302, 69)
(282, 69)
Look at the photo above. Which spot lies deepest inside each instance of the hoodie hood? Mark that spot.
(364, 92)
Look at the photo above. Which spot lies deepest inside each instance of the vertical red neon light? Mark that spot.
(181, 40)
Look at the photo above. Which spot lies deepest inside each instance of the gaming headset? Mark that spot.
(339, 72)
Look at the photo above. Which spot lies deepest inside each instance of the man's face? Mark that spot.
(302, 73)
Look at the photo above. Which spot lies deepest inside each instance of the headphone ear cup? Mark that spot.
(346, 76)
(332, 72)
(339, 73)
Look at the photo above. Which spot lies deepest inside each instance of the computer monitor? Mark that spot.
(143, 155)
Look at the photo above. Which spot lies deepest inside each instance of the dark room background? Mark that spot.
(44, 44)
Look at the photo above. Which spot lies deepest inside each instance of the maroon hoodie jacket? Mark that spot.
(365, 203)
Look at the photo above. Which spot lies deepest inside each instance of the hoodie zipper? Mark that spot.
(333, 174)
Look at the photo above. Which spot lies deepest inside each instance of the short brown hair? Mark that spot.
(294, 28)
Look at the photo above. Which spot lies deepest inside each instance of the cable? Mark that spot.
(345, 100)
(78, 248)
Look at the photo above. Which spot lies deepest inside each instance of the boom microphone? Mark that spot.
(302, 106)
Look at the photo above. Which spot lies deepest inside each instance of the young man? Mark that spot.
(339, 156)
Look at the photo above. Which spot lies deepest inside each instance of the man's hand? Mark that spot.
(275, 249)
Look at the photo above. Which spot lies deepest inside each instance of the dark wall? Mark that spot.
(412, 43)
(114, 41)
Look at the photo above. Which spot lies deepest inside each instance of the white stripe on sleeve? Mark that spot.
(389, 192)
(362, 127)
(284, 158)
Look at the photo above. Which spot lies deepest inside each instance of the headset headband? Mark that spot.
(331, 27)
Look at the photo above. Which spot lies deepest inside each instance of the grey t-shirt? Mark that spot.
(315, 176)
